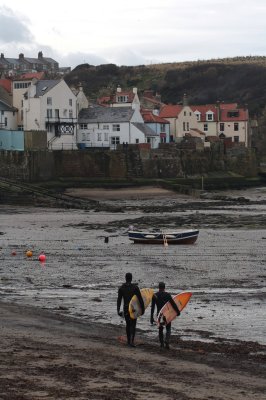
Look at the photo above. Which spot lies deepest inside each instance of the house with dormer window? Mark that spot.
(122, 98)
(206, 118)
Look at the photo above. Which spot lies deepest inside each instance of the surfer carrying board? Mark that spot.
(126, 292)
(160, 299)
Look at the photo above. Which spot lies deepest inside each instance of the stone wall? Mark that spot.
(132, 162)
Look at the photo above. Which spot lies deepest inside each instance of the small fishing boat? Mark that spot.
(188, 236)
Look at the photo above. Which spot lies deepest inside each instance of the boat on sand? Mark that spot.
(187, 236)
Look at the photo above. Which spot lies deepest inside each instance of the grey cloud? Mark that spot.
(74, 59)
(12, 28)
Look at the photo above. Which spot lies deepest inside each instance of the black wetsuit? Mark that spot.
(126, 292)
(160, 299)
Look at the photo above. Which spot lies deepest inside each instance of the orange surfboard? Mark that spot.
(167, 313)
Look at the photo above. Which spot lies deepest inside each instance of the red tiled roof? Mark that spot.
(30, 75)
(105, 100)
(204, 109)
(242, 114)
(170, 111)
(6, 84)
(226, 106)
(148, 116)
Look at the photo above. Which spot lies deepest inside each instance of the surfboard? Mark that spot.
(167, 313)
(134, 306)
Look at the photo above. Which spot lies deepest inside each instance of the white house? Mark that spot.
(20, 85)
(107, 127)
(52, 106)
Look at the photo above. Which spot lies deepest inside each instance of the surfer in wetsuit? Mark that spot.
(126, 292)
(160, 299)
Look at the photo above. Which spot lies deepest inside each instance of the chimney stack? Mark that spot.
(185, 100)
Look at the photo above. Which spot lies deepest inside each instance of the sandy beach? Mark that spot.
(61, 337)
(45, 356)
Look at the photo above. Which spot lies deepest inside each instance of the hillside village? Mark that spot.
(63, 117)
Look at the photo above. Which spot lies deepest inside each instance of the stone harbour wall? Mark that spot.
(133, 162)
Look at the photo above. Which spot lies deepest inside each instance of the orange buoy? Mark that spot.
(29, 253)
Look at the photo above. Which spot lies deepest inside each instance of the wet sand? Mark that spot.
(47, 356)
(71, 345)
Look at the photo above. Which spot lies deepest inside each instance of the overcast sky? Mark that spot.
(132, 32)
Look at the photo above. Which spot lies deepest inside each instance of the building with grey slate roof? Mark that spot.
(107, 127)
(22, 64)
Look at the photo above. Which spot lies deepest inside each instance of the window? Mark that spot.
(99, 137)
(209, 117)
(56, 113)
(70, 114)
(49, 113)
(21, 85)
(115, 140)
(106, 138)
(21, 103)
(187, 126)
(65, 112)
(236, 139)
(197, 116)
(49, 101)
(122, 99)
(49, 128)
(5, 121)
(21, 115)
(221, 126)
(163, 128)
(185, 113)
(70, 102)
(106, 127)
(184, 126)
(205, 127)
(20, 127)
(83, 126)
(236, 126)
(137, 140)
(233, 114)
(116, 127)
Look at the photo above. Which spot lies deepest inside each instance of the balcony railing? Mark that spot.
(60, 120)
